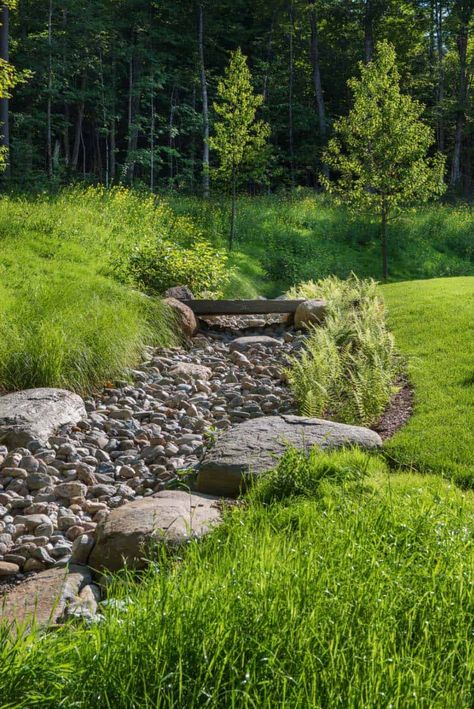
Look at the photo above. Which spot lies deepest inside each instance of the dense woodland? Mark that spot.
(123, 90)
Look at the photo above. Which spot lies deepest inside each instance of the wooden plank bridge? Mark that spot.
(242, 307)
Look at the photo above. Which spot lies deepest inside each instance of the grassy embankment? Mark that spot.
(64, 321)
(282, 242)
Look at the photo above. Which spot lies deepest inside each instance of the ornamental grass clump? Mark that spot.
(349, 367)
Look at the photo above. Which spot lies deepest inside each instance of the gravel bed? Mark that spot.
(138, 437)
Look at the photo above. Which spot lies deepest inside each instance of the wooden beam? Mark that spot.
(242, 307)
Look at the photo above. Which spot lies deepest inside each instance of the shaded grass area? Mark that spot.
(63, 320)
(354, 591)
(306, 238)
(433, 323)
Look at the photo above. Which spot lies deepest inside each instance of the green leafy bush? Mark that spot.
(154, 265)
(163, 249)
(349, 365)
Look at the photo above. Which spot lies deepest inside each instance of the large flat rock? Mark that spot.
(172, 517)
(36, 414)
(253, 447)
(44, 596)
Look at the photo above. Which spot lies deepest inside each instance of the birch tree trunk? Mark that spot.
(205, 107)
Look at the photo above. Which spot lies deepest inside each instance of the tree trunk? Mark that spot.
(171, 137)
(368, 31)
(269, 57)
(462, 41)
(152, 138)
(290, 99)
(133, 101)
(66, 143)
(49, 132)
(233, 216)
(4, 118)
(78, 130)
(205, 108)
(384, 244)
(314, 51)
(105, 124)
(438, 12)
(113, 168)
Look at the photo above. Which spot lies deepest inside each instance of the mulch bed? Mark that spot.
(397, 412)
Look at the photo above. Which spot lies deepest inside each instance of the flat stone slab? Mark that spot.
(241, 344)
(253, 447)
(44, 597)
(36, 414)
(172, 517)
(188, 370)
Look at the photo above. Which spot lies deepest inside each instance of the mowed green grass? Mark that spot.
(64, 321)
(433, 323)
(355, 594)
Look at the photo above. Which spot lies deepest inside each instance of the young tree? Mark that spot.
(239, 139)
(380, 149)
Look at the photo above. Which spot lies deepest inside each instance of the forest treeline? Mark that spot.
(123, 90)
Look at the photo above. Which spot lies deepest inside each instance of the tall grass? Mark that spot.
(360, 595)
(64, 321)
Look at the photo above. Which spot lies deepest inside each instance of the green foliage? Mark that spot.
(349, 365)
(155, 265)
(434, 329)
(380, 149)
(62, 321)
(358, 597)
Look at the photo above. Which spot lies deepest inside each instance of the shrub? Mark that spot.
(348, 367)
(154, 265)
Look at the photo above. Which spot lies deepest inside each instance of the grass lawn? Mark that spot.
(358, 594)
(433, 322)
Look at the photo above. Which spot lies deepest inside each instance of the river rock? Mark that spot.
(185, 317)
(188, 370)
(245, 343)
(36, 414)
(45, 596)
(171, 516)
(253, 447)
(179, 293)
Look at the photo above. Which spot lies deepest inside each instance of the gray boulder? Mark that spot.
(311, 312)
(241, 344)
(36, 414)
(44, 597)
(171, 516)
(179, 292)
(253, 447)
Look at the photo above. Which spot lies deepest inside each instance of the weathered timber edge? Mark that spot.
(242, 307)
